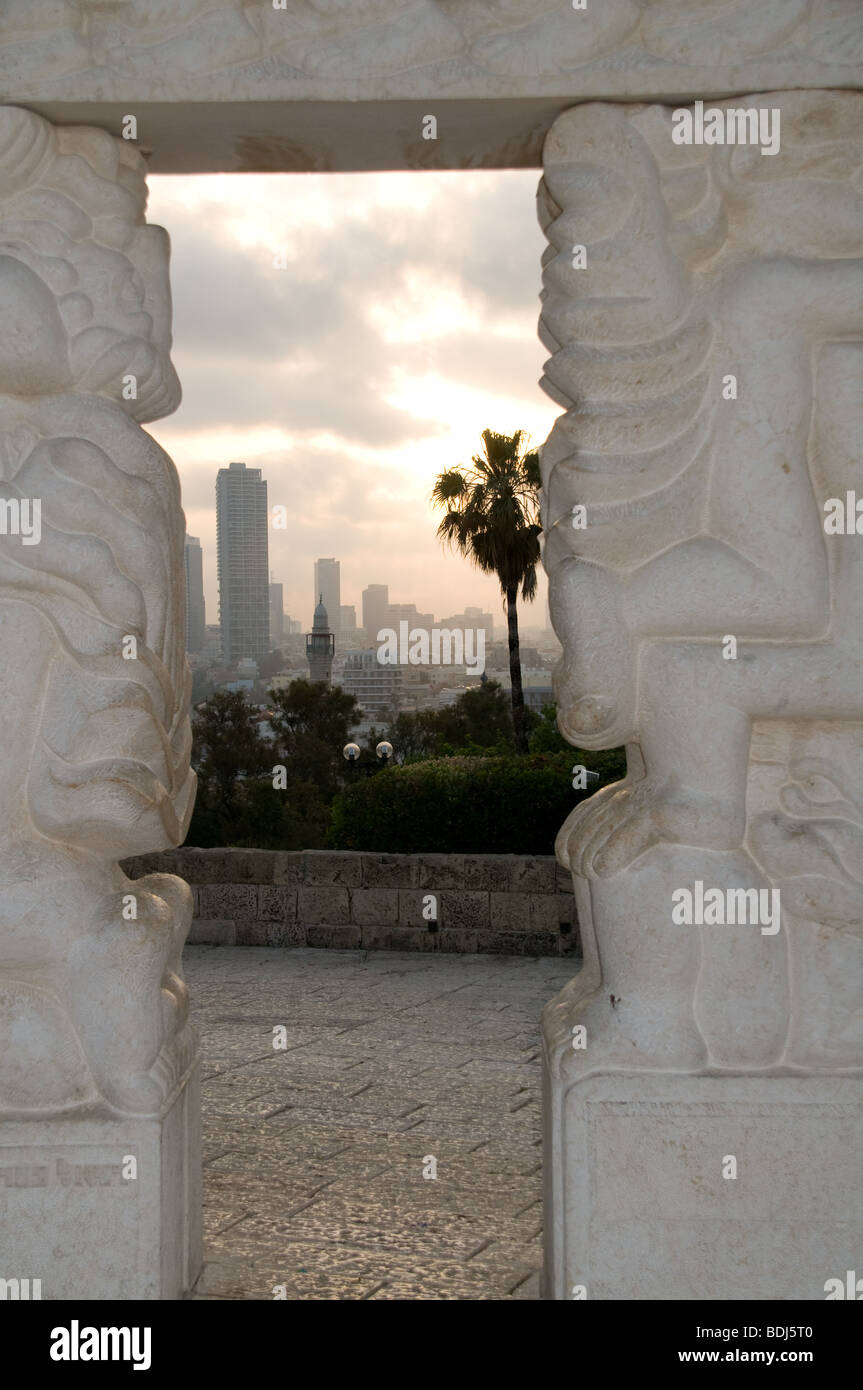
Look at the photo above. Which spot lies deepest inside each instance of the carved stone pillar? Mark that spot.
(707, 348)
(99, 1161)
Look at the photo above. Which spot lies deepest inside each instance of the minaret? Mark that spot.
(320, 645)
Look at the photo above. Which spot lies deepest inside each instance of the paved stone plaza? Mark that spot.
(314, 1155)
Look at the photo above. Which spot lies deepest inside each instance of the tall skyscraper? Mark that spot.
(241, 529)
(277, 614)
(328, 586)
(193, 565)
(376, 601)
(320, 645)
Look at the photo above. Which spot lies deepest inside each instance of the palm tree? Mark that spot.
(492, 517)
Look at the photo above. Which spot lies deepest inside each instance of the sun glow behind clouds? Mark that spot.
(403, 325)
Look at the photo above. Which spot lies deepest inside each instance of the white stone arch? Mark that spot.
(239, 84)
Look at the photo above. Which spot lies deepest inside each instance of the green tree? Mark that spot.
(474, 805)
(491, 515)
(480, 718)
(202, 688)
(227, 747)
(415, 734)
(545, 736)
(312, 723)
(237, 803)
(297, 817)
(228, 754)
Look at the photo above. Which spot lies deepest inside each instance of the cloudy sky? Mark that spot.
(404, 324)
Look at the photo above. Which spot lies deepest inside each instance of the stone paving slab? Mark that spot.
(314, 1155)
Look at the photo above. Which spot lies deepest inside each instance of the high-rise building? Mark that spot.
(328, 589)
(241, 529)
(320, 645)
(376, 601)
(277, 614)
(193, 566)
(348, 618)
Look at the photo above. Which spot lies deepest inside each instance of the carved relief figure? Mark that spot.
(332, 39)
(721, 300)
(96, 761)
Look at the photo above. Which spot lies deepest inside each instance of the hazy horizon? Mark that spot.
(403, 325)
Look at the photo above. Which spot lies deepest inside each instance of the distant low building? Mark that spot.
(284, 678)
(535, 683)
(471, 618)
(448, 695)
(377, 688)
(497, 657)
(212, 649)
(406, 612)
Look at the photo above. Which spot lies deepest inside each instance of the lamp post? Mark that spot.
(351, 753)
(384, 751)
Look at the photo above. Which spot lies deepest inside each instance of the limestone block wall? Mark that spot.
(503, 903)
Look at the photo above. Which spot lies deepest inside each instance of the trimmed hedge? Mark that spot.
(498, 805)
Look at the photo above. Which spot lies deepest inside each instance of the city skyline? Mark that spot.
(404, 324)
(377, 610)
(328, 583)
